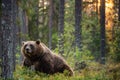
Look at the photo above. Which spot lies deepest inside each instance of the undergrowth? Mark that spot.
(93, 71)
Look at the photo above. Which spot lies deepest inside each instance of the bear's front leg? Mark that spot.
(26, 63)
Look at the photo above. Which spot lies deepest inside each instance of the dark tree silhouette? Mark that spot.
(102, 25)
(0, 37)
(50, 23)
(96, 6)
(22, 30)
(119, 11)
(61, 26)
(33, 23)
(15, 30)
(7, 38)
(78, 18)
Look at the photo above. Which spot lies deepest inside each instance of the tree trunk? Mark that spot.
(61, 27)
(78, 18)
(36, 36)
(7, 39)
(33, 22)
(23, 29)
(15, 30)
(50, 23)
(102, 24)
(97, 7)
(0, 37)
(119, 11)
(43, 13)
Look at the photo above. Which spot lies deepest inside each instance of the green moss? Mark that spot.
(94, 71)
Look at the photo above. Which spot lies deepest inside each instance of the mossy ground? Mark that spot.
(93, 71)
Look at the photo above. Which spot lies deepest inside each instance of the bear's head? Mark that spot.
(30, 48)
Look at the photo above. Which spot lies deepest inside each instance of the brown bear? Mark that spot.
(44, 60)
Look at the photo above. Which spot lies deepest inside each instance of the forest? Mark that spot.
(86, 33)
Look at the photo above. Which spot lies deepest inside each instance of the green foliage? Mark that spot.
(90, 37)
(24, 36)
(93, 71)
(116, 46)
(31, 9)
(91, 34)
(83, 55)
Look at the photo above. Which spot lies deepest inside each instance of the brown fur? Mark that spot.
(44, 59)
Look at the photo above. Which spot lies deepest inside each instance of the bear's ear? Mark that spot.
(23, 42)
(38, 42)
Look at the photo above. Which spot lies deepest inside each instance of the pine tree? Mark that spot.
(119, 11)
(102, 31)
(61, 27)
(78, 18)
(7, 38)
(50, 23)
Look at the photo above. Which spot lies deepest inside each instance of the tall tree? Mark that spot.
(61, 26)
(36, 36)
(50, 23)
(102, 25)
(7, 38)
(96, 6)
(33, 13)
(22, 30)
(78, 18)
(0, 35)
(119, 11)
(15, 30)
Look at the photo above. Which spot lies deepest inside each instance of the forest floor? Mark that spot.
(91, 71)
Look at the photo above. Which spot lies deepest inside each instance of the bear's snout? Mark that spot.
(28, 50)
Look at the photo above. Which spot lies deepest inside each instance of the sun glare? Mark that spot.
(109, 17)
(109, 13)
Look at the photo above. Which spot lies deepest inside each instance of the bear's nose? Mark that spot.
(27, 49)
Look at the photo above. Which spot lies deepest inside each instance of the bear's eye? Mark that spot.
(32, 47)
(25, 45)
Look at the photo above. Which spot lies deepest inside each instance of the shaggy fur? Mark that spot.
(43, 58)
